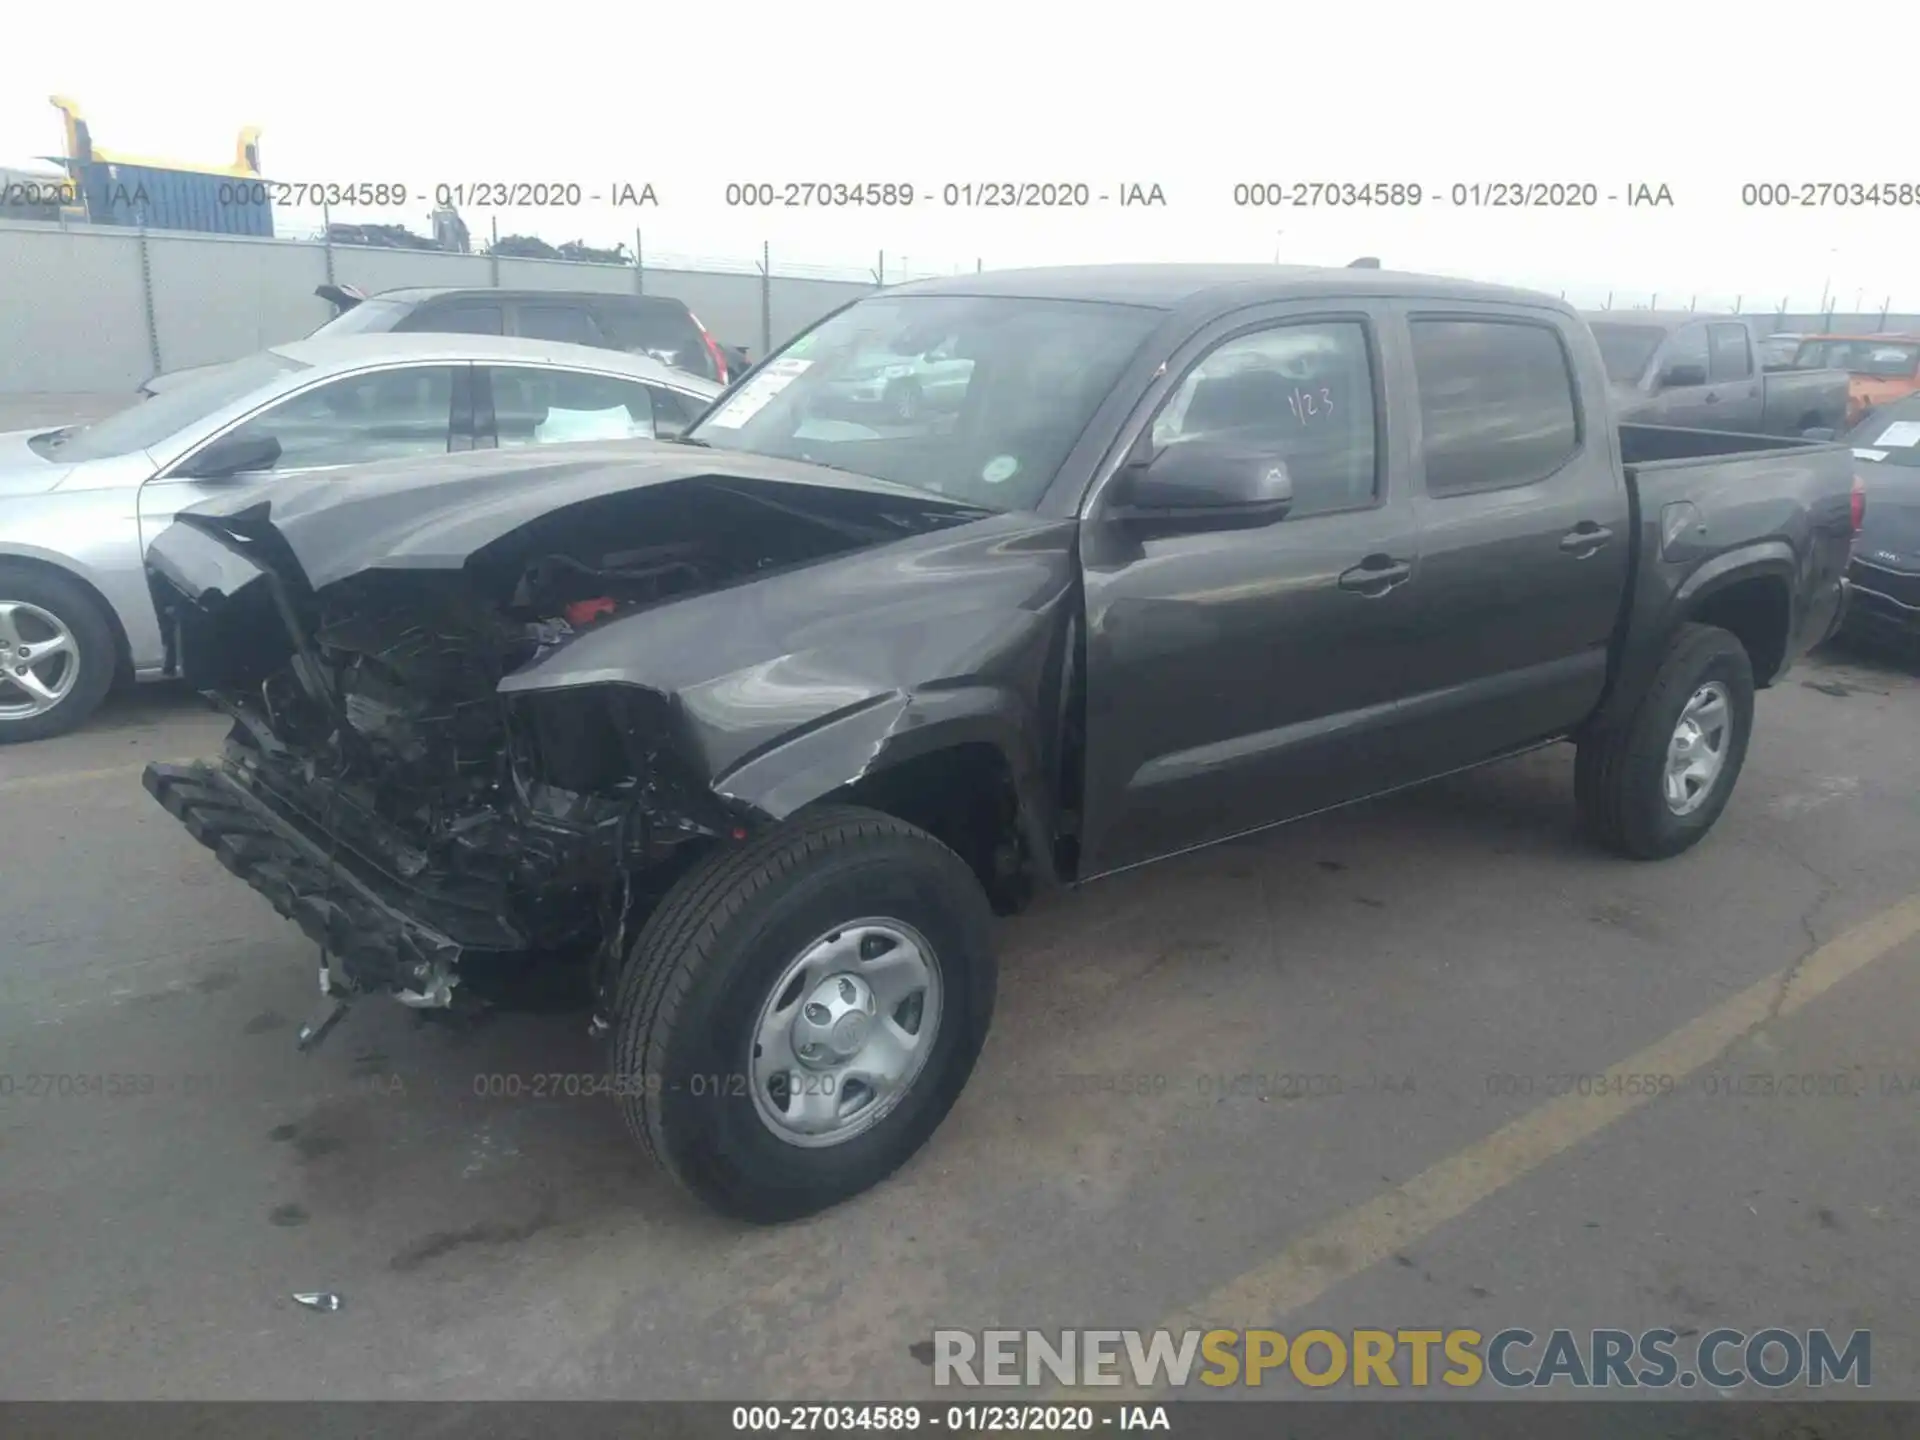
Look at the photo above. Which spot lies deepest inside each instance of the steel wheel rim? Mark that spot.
(39, 660)
(1697, 750)
(844, 1032)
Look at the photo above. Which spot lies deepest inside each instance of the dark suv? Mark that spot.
(639, 324)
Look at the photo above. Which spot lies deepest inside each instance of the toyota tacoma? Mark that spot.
(753, 731)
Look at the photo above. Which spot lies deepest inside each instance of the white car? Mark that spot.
(79, 506)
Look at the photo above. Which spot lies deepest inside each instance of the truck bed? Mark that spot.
(1665, 446)
(1705, 502)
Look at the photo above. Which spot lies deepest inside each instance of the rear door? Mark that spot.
(1237, 677)
(393, 412)
(1523, 532)
(1734, 398)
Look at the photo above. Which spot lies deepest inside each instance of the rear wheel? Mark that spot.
(57, 654)
(800, 1013)
(1654, 784)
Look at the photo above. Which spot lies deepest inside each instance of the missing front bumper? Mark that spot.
(383, 933)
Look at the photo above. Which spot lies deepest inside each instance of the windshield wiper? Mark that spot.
(689, 440)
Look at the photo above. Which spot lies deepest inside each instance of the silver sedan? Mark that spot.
(78, 506)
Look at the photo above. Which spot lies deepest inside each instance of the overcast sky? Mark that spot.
(1194, 97)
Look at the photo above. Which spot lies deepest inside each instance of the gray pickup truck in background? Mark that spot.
(1703, 371)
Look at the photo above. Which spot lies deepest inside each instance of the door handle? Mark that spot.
(1375, 575)
(1585, 538)
(1710, 398)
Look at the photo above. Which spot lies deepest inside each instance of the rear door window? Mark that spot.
(1496, 403)
(537, 405)
(570, 324)
(661, 329)
(453, 318)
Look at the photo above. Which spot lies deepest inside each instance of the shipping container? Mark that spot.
(120, 189)
(163, 199)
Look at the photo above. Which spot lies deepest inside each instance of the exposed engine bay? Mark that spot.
(369, 712)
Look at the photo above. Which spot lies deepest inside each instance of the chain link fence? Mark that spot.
(100, 308)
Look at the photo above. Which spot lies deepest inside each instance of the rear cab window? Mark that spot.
(1498, 407)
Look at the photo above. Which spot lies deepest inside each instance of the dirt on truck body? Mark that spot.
(762, 725)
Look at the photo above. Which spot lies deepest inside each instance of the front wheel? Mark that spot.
(1655, 783)
(57, 654)
(800, 1013)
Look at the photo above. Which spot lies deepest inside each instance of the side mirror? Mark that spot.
(232, 455)
(1676, 377)
(1204, 485)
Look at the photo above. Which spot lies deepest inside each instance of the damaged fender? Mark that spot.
(475, 700)
(794, 687)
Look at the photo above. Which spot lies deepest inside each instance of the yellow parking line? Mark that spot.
(1392, 1222)
(70, 777)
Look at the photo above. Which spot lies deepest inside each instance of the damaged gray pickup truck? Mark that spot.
(753, 731)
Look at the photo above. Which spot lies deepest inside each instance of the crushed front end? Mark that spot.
(425, 830)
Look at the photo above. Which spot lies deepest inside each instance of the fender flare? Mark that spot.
(888, 730)
(83, 576)
(1766, 558)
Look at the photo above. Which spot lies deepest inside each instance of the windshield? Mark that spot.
(369, 317)
(1627, 350)
(1862, 357)
(975, 398)
(142, 426)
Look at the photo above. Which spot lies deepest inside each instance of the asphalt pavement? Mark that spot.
(1329, 1076)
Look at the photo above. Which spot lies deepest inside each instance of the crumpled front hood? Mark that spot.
(23, 470)
(435, 514)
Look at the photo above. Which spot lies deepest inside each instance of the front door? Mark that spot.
(1683, 394)
(391, 413)
(1736, 401)
(1237, 677)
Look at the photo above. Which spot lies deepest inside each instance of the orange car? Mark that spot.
(1883, 367)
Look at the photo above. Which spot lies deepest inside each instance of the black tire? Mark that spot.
(97, 658)
(1619, 776)
(703, 965)
(904, 401)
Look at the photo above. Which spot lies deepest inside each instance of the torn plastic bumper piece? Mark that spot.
(384, 933)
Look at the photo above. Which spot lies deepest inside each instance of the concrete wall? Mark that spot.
(99, 308)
